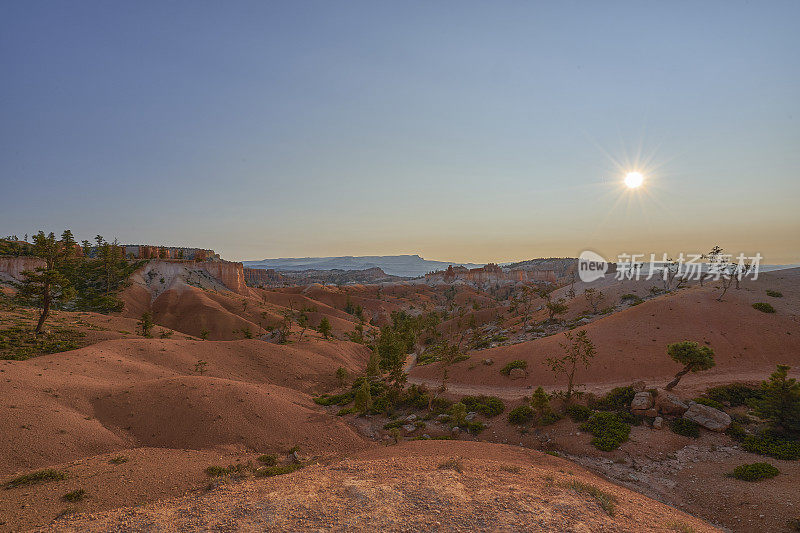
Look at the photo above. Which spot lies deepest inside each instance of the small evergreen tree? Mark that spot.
(325, 327)
(146, 324)
(373, 365)
(363, 398)
(46, 286)
(693, 356)
(578, 349)
(781, 401)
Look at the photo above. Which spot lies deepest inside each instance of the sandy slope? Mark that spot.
(406, 488)
(631, 344)
(118, 394)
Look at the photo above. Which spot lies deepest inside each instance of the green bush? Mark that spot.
(617, 399)
(74, 496)
(764, 307)
(608, 429)
(488, 406)
(754, 472)
(774, 294)
(40, 476)
(685, 427)
(736, 431)
(578, 413)
(773, 446)
(735, 394)
(520, 415)
(338, 399)
(549, 418)
(518, 363)
(709, 402)
(269, 471)
(269, 460)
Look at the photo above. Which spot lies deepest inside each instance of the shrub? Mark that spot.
(736, 431)
(518, 363)
(520, 415)
(40, 476)
(754, 472)
(608, 429)
(269, 460)
(685, 427)
(734, 394)
(617, 399)
(604, 499)
(773, 446)
(452, 464)
(269, 471)
(774, 294)
(578, 413)
(709, 402)
(764, 307)
(794, 524)
(488, 406)
(338, 399)
(549, 418)
(74, 496)
(118, 460)
(780, 403)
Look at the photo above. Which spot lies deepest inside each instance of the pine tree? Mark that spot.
(363, 399)
(325, 327)
(781, 402)
(45, 286)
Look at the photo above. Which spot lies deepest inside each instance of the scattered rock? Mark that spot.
(517, 373)
(669, 403)
(642, 401)
(658, 423)
(639, 386)
(488, 362)
(410, 428)
(442, 417)
(411, 418)
(470, 416)
(708, 417)
(456, 430)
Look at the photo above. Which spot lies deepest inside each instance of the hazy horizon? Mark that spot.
(456, 131)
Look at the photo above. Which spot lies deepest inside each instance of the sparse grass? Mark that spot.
(452, 464)
(269, 471)
(794, 524)
(34, 478)
(607, 502)
(774, 294)
(74, 496)
(764, 307)
(238, 470)
(511, 469)
(118, 460)
(18, 343)
(269, 460)
(518, 363)
(754, 472)
(680, 527)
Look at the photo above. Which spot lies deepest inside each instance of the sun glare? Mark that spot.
(633, 179)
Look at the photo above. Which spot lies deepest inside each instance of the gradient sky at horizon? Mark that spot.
(464, 131)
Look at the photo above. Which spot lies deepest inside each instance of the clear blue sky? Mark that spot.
(458, 130)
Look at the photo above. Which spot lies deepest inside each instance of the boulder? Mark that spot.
(410, 428)
(708, 417)
(488, 362)
(470, 416)
(642, 401)
(669, 403)
(639, 386)
(658, 422)
(517, 373)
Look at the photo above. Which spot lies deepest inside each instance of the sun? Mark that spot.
(633, 180)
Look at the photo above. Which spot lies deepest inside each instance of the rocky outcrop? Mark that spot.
(642, 401)
(229, 273)
(490, 273)
(11, 268)
(708, 417)
(669, 403)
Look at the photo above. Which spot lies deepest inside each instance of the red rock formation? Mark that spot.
(12, 267)
(229, 273)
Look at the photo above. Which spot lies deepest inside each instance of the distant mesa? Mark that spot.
(408, 266)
